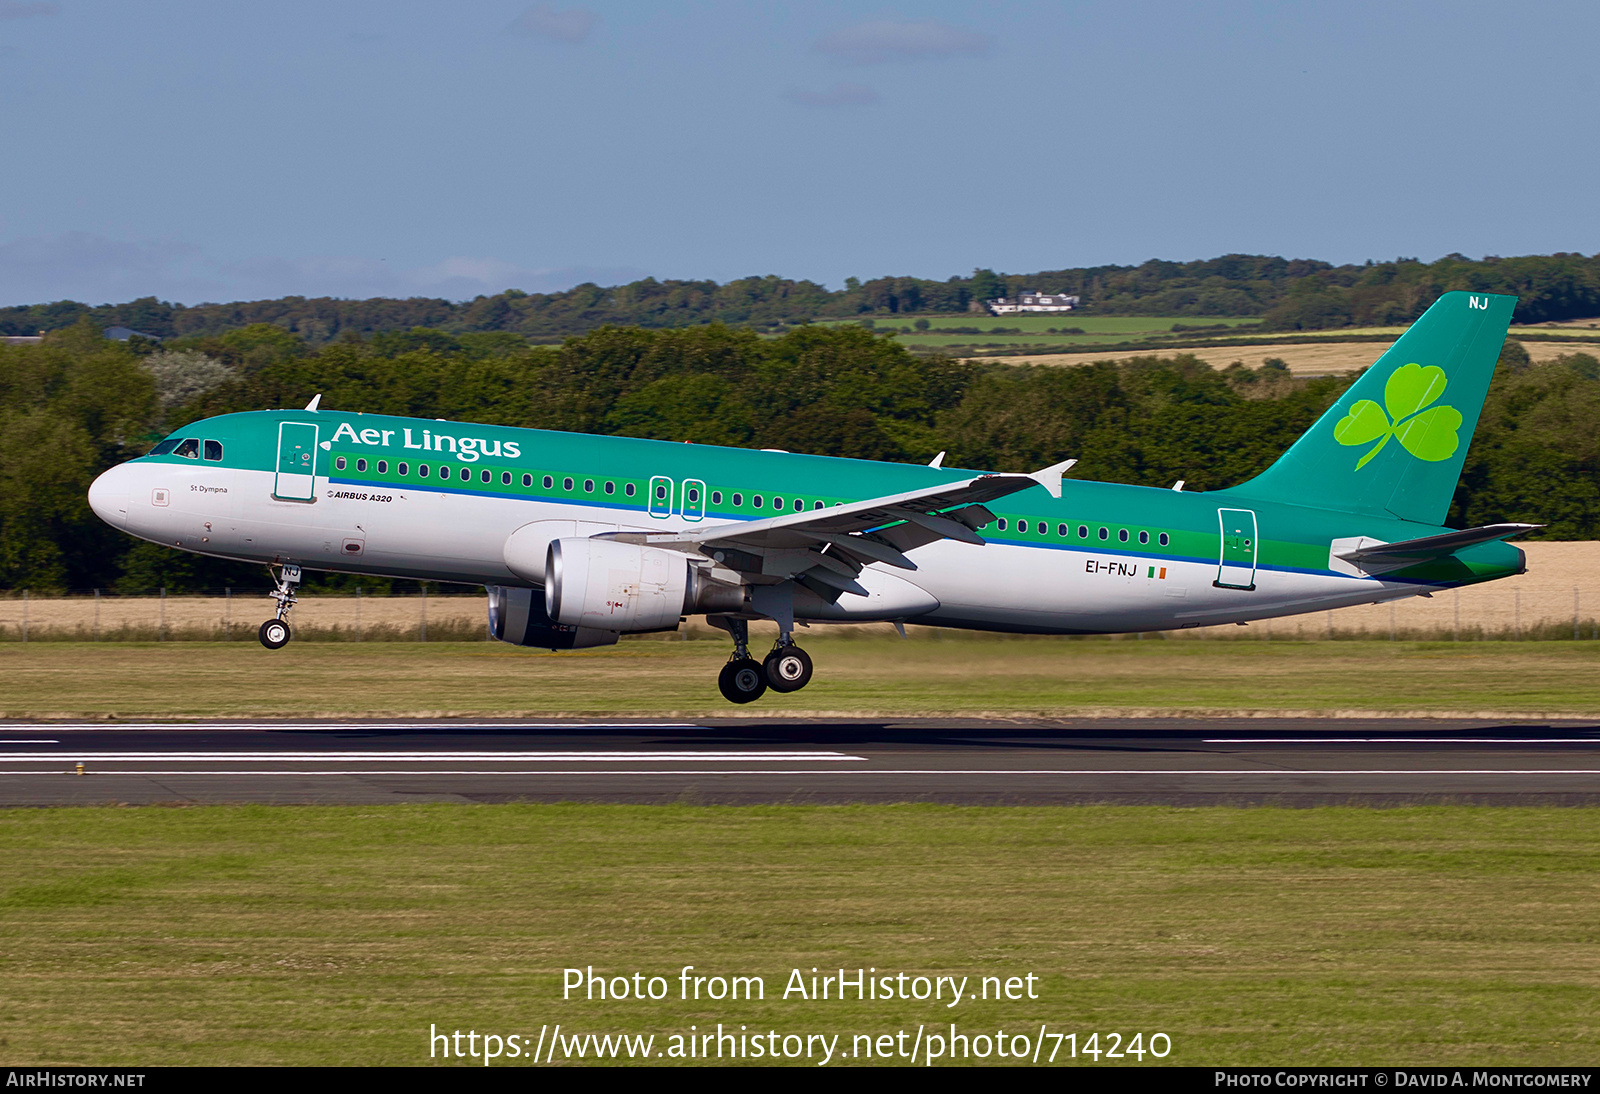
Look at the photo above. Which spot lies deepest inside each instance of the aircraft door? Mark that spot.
(660, 497)
(297, 462)
(694, 499)
(1236, 566)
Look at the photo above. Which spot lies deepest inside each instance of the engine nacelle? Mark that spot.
(517, 616)
(615, 586)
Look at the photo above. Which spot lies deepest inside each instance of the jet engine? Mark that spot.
(616, 586)
(517, 616)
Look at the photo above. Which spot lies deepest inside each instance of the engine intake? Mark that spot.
(517, 616)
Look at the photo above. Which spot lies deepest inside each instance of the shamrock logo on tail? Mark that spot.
(1427, 432)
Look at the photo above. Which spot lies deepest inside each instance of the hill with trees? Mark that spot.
(1290, 294)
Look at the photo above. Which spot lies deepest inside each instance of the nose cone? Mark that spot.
(108, 497)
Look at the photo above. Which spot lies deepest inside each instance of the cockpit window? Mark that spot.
(163, 448)
(189, 449)
(213, 450)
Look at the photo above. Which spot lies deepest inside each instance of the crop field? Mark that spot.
(1303, 358)
(314, 935)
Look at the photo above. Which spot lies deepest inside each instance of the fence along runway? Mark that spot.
(1299, 762)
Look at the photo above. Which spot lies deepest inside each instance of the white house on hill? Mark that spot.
(1031, 300)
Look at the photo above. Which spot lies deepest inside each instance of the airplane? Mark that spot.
(580, 539)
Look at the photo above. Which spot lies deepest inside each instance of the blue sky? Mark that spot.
(215, 150)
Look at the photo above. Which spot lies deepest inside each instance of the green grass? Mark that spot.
(1097, 330)
(260, 935)
(869, 675)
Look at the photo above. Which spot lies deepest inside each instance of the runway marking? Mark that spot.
(857, 771)
(636, 756)
(27, 742)
(1401, 740)
(123, 727)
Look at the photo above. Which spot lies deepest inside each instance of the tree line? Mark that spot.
(1290, 294)
(77, 403)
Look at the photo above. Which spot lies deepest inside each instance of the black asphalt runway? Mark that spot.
(1299, 762)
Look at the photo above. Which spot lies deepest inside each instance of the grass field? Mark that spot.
(260, 935)
(865, 675)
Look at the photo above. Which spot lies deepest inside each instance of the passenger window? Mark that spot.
(716, 497)
(383, 467)
(798, 505)
(1061, 530)
(755, 500)
(694, 495)
(1083, 531)
(339, 463)
(1144, 537)
(505, 478)
(611, 487)
(466, 474)
(1002, 524)
(1122, 535)
(628, 489)
(527, 480)
(816, 505)
(361, 465)
(777, 503)
(485, 476)
(1104, 534)
(548, 482)
(402, 468)
(566, 484)
(1163, 539)
(163, 448)
(588, 486)
(661, 492)
(1022, 526)
(738, 499)
(213, 450)
(189, 449)
(422, 470)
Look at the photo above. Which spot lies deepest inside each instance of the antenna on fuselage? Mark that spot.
(316, 401)
(937, 461)
(1178, 486)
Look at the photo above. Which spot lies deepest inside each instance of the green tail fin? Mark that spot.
(1395, 442)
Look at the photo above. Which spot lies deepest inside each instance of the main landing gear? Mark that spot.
(744, 679)
(275, 632)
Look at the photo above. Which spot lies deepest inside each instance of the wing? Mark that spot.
(828, 548)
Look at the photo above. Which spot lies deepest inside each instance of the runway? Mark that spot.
(732, 761)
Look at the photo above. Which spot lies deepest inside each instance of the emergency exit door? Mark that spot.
(1236, 567)
(297, 462)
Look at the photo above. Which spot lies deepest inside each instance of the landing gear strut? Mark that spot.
(275, 632)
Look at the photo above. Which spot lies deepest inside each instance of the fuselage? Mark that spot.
(436, 500)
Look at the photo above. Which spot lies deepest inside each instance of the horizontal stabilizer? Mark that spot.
(1389, 556)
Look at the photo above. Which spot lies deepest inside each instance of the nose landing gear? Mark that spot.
(275, 632)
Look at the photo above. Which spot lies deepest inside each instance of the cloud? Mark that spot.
(16, 9)
(841, 93)
(81, 266)
(890, 40)
(544, 21)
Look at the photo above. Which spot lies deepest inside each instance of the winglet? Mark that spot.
(316, 401)
(937, 461)
(1050, 477)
